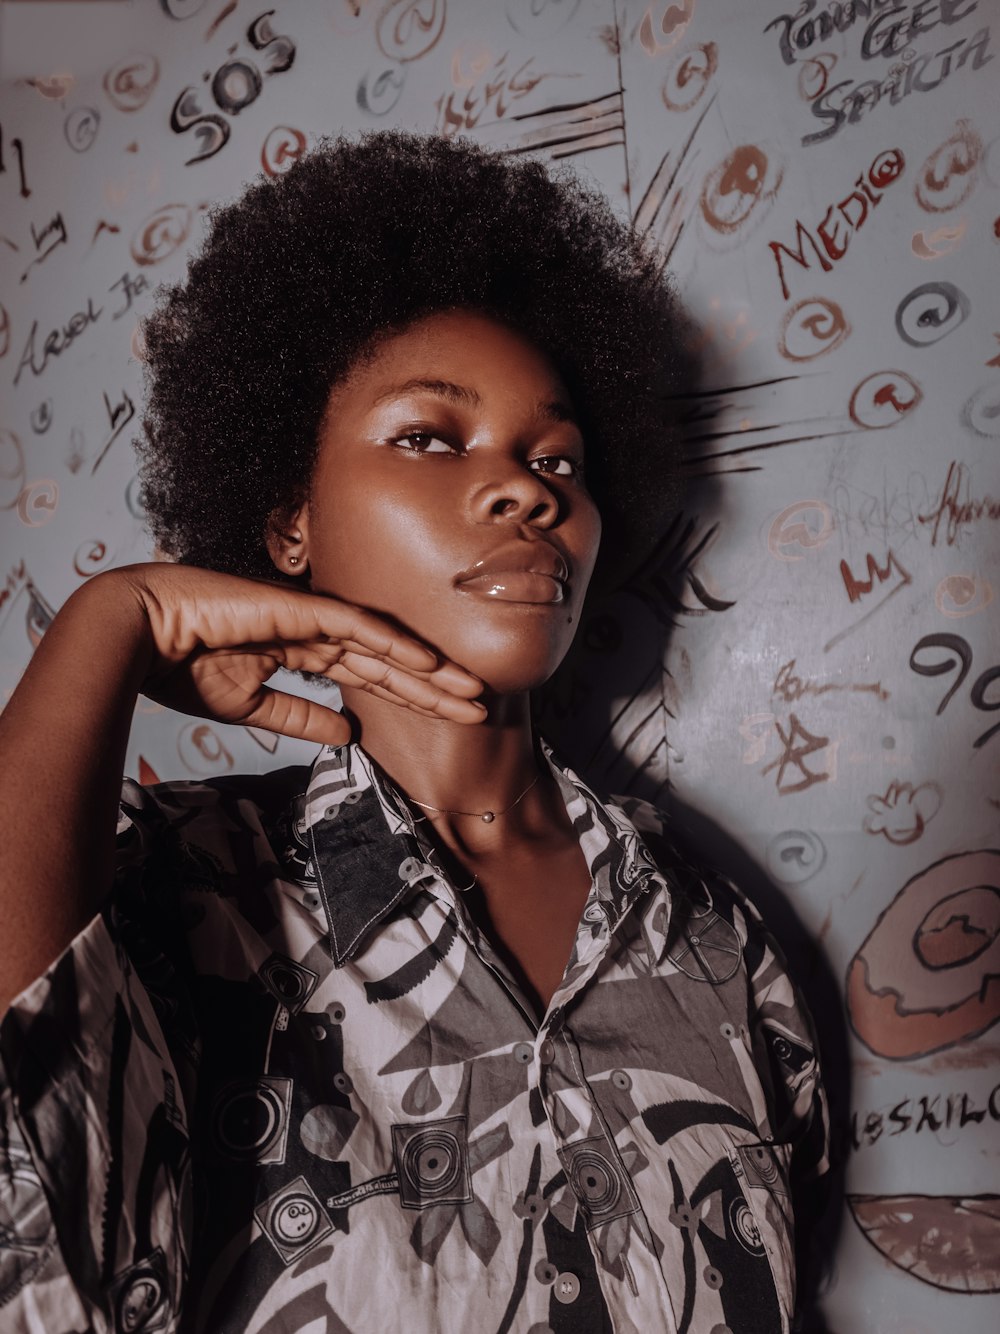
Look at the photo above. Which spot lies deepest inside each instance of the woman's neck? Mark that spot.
(461, 768)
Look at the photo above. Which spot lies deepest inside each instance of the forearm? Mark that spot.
(62, 752)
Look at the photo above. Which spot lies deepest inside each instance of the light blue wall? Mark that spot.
(811, 657)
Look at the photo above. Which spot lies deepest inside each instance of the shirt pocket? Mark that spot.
(761, 1217)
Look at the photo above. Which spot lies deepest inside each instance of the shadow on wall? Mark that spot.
(608, 713)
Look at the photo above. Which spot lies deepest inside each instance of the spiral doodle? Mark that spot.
(981, 412)
(38, 502)
(886, 168)
(688, 75)
(738, 186)
(930, 312)
(948, 176)
(81, 128)
(129, 84)
(282, 147)
(811, 328)
(91, 557)
(202, 750)
(883, 399)
(181, 9)
(408, 29)
(378, 94)
(161, 234)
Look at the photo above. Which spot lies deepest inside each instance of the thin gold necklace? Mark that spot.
(487, 817)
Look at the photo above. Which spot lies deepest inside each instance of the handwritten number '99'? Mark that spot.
(236, 85)
(959, 656)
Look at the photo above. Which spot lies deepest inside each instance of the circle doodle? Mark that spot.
(236, 85)
(282, 147)
(737, 187)
(161, 234)
(949, 174)
(41, 417)
(793, 528)
(962, 595)
(794, 856)
(883, 399)
(379, 94)
(12, 474)
(408, 29)
(540, 18)
(81, 128)
(133, 499)
(981, 412)
(930, 312)
(688, 75)
(38, 502)
(182, 9)
(944, 989)
(202, 750)
(91, 557)
(129, 84)
(814, 326)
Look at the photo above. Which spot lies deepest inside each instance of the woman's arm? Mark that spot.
(201, 642)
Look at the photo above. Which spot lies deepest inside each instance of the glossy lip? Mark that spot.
(522, 571)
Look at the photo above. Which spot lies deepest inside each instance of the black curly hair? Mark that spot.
(305, 273)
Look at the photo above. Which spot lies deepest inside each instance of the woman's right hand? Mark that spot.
(215, 639)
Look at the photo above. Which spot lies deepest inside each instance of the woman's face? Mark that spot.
(448, 495)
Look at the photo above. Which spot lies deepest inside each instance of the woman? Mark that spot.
(427, 1037)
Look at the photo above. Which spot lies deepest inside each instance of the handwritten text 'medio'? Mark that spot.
(841, 220)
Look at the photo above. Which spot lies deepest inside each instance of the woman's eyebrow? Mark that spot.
(459, 393)
(454, 393)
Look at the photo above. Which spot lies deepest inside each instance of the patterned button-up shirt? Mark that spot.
(284, 1082)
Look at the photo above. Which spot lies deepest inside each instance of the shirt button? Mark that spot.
(621, 1080)
(547, 1052)
(566, 1288)
(523, 1053)
(342, 1083)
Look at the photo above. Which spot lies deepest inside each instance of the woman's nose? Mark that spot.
(516, 494)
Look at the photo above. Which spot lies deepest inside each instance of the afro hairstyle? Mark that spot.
(306, 273)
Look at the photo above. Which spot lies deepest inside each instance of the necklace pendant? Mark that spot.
(488, 817)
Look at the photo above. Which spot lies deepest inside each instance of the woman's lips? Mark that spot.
(516, 586)
(520, 571)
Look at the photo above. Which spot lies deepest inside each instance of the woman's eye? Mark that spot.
(557, 465)
(422, 442)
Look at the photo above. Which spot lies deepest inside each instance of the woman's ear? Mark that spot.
(287, 539)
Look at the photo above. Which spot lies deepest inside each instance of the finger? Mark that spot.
(379, 693)
(444, 673)
(318, 655)
(408, 689)
(294, 716)
(370, 634)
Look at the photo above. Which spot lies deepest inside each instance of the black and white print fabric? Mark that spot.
(282, 1082)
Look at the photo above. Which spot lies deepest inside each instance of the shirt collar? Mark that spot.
(369, 850)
